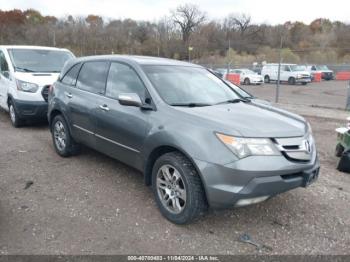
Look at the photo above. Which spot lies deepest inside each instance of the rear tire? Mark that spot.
(178, 189)
(62, 140)
(246, 81)
(267, 79)
(16, 121)
(291, 81)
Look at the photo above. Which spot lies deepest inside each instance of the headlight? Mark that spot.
(243, 147)
(26, 86)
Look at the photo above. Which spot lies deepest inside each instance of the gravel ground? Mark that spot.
(92, 204)
(327, 94)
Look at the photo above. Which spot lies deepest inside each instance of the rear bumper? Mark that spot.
(254, 177)
(31, 109)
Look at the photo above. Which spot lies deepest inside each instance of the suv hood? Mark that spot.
(248, 120)
(40, 79)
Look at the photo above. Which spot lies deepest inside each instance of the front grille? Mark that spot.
(298, 149)
(45, 92)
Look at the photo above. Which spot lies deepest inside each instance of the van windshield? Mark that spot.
(38, 60)
(298, 68)
(322, 67)
(184, 85)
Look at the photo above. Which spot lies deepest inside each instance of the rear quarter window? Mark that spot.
(70, 77)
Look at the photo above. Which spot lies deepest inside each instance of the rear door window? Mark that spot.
(71, 77)
(92, 77)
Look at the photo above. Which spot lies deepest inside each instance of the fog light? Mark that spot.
(250, 201)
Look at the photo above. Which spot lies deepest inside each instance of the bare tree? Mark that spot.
(188, 17)
(241, 22)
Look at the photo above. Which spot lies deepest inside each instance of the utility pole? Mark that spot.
(279, 71)
(348, 98)
(54, 38)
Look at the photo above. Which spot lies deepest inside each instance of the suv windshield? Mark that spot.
(182, 85)
(36, 60)
(298, 68)
(322, 67)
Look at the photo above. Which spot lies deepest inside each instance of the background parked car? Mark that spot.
(248, 76)
(290, 73)
(25, 76)
(326, 73)
(246, 95)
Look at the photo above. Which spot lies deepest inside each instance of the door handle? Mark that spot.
(104, 107)
(69, 95)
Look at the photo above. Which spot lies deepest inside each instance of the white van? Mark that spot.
(290, 73)
(26, 73)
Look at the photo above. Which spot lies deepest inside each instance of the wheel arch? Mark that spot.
(55, 112)
(161, 150)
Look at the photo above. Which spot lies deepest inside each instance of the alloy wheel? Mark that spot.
(60, 135)
(171, 189)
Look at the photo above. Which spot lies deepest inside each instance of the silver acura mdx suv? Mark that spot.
(198, 143)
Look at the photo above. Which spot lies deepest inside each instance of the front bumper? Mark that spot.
(303, 80)
(252, 177)
(257, 81)
(31, 109)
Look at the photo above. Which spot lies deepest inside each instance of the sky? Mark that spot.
(261, 11)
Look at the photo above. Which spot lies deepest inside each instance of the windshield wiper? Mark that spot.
(191, 104)
(23, 69)
(233, 101)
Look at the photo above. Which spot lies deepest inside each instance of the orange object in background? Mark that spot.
(234, 78)
(343, 76)
(317, 77)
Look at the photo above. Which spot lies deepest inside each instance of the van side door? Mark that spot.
(285, 72)
(121, 129)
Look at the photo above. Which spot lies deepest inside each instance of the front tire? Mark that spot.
(178, 189)
(16, 121)
(246, 81)
(62, 140)
(291, 81)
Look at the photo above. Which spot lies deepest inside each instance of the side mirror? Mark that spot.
(130, 99)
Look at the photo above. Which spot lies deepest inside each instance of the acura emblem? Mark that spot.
(305, 145)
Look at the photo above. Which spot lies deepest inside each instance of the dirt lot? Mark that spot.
(331, 94)
(91, 204)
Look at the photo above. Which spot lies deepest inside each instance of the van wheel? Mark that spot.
(15, 119)
(62, 140)
(178, 189)
(304, 83)
(291, 81)
(267, 79)
(246, 81)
